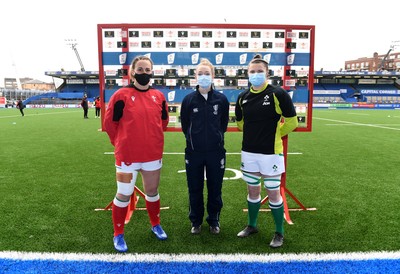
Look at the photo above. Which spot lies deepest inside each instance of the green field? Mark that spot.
(55, 170)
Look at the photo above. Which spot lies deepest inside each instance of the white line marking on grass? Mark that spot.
(290, 209)
(11, 116)
(50, 113)
(356, 124)
(362, 125)
(238, 257)
(361, 114)
(182, 153)
(37, 114)
(136, 208)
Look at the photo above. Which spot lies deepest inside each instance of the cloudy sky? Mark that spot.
(34, 32)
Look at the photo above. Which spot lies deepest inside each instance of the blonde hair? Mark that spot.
(207, 63)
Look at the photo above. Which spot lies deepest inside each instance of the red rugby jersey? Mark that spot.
(135, 122)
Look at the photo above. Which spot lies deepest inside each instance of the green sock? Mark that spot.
(277, 213)
(254, 208)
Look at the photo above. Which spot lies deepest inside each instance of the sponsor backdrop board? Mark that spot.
(176, 49)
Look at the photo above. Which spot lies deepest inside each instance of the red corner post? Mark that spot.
(133, 203)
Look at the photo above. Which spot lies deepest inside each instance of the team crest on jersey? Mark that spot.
(266, 101)
(195, 110)
(215, 107)
(154, 98)
(133, 98)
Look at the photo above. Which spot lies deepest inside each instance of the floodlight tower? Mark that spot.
(73, 43)
(19, 86)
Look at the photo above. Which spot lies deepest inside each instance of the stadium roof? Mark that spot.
(318, 74)
(73, 74)
(357, 74)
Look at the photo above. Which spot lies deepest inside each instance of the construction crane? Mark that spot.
(392, 47)
(73, 43)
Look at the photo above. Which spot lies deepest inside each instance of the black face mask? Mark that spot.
(142, 79)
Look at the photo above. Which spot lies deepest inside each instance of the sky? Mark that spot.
(34, 32)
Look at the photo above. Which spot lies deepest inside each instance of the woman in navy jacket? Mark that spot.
(204, 118)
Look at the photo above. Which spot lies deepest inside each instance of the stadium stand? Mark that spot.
(329, 88)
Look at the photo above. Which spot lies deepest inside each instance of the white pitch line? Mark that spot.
(182, 153)
(37, 114)
(362, 125)
(361, 114)
(234, 257)
(357, 124)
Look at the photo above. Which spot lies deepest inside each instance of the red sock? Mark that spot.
(153, 210)
(118, 217)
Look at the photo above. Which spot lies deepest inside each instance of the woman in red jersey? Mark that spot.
(135, 121)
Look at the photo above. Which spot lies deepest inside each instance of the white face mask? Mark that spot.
(204, 81)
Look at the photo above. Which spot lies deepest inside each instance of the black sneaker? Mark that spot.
(214, 229)
(277, 241)
(196, 229)
(247, 231)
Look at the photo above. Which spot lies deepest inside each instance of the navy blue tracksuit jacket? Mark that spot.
(204, 123)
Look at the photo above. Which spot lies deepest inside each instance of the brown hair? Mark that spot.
(137, 59)
(257, 59)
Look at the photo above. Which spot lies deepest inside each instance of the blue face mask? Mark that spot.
(257, 79)
(204, 81)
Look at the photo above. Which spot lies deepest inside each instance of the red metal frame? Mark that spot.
(287, 28)
(285, 190)
(132, 205)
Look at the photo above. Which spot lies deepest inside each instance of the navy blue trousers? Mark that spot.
(199, 164)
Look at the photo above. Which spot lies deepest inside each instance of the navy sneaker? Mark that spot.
(120, 244)
(159, 232)
(196, 229)
(214, 229)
